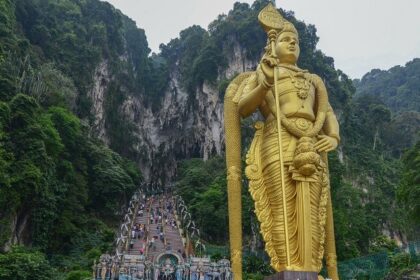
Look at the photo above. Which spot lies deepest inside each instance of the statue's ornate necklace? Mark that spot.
(297, 77)
(301, 84)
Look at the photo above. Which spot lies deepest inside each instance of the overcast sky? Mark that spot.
(359, 34)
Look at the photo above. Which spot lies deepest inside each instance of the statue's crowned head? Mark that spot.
(282, 33)
(288, 27)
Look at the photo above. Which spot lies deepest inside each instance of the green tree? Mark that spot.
(397, 87)
(409, 189)
(22, 264)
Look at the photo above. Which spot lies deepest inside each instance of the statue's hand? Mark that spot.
(267, 66)
(326, 143)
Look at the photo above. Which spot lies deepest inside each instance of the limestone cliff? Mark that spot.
(184, 125)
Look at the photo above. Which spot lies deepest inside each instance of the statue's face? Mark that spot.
(287, 48)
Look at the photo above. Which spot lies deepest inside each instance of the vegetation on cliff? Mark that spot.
(61, 189)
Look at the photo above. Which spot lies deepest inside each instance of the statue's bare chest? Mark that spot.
(296, 94)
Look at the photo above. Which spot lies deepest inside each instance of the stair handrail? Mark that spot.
(134, 204)
(191, 230)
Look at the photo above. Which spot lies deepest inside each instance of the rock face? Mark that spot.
(97, 96)
(184, 125)
(18, 231)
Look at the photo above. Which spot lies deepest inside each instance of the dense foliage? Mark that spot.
(61, 190)
(202, 184)
(409, 189)
(91, 38)
(397, 92)
(398, 87)
(53, 170)
(20, 263)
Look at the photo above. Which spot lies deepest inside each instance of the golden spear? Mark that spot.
(271, 21)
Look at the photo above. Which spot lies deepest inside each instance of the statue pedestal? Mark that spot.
(293, 275)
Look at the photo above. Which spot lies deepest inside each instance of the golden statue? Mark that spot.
(289, 185)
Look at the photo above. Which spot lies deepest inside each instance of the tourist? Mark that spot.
(153, 243)
(142, 248)
(136, 231)
(140, 232)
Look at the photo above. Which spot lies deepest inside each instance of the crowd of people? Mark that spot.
(160, 213)
(155, 218)
(140, 231)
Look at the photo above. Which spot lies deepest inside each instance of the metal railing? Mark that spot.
(189, 229)
(378, 266)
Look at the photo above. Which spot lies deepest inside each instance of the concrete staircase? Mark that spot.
(173, 241)
(158, 246)
(173, 237)
(138, 243)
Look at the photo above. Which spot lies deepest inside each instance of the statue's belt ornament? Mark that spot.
(295, 122)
